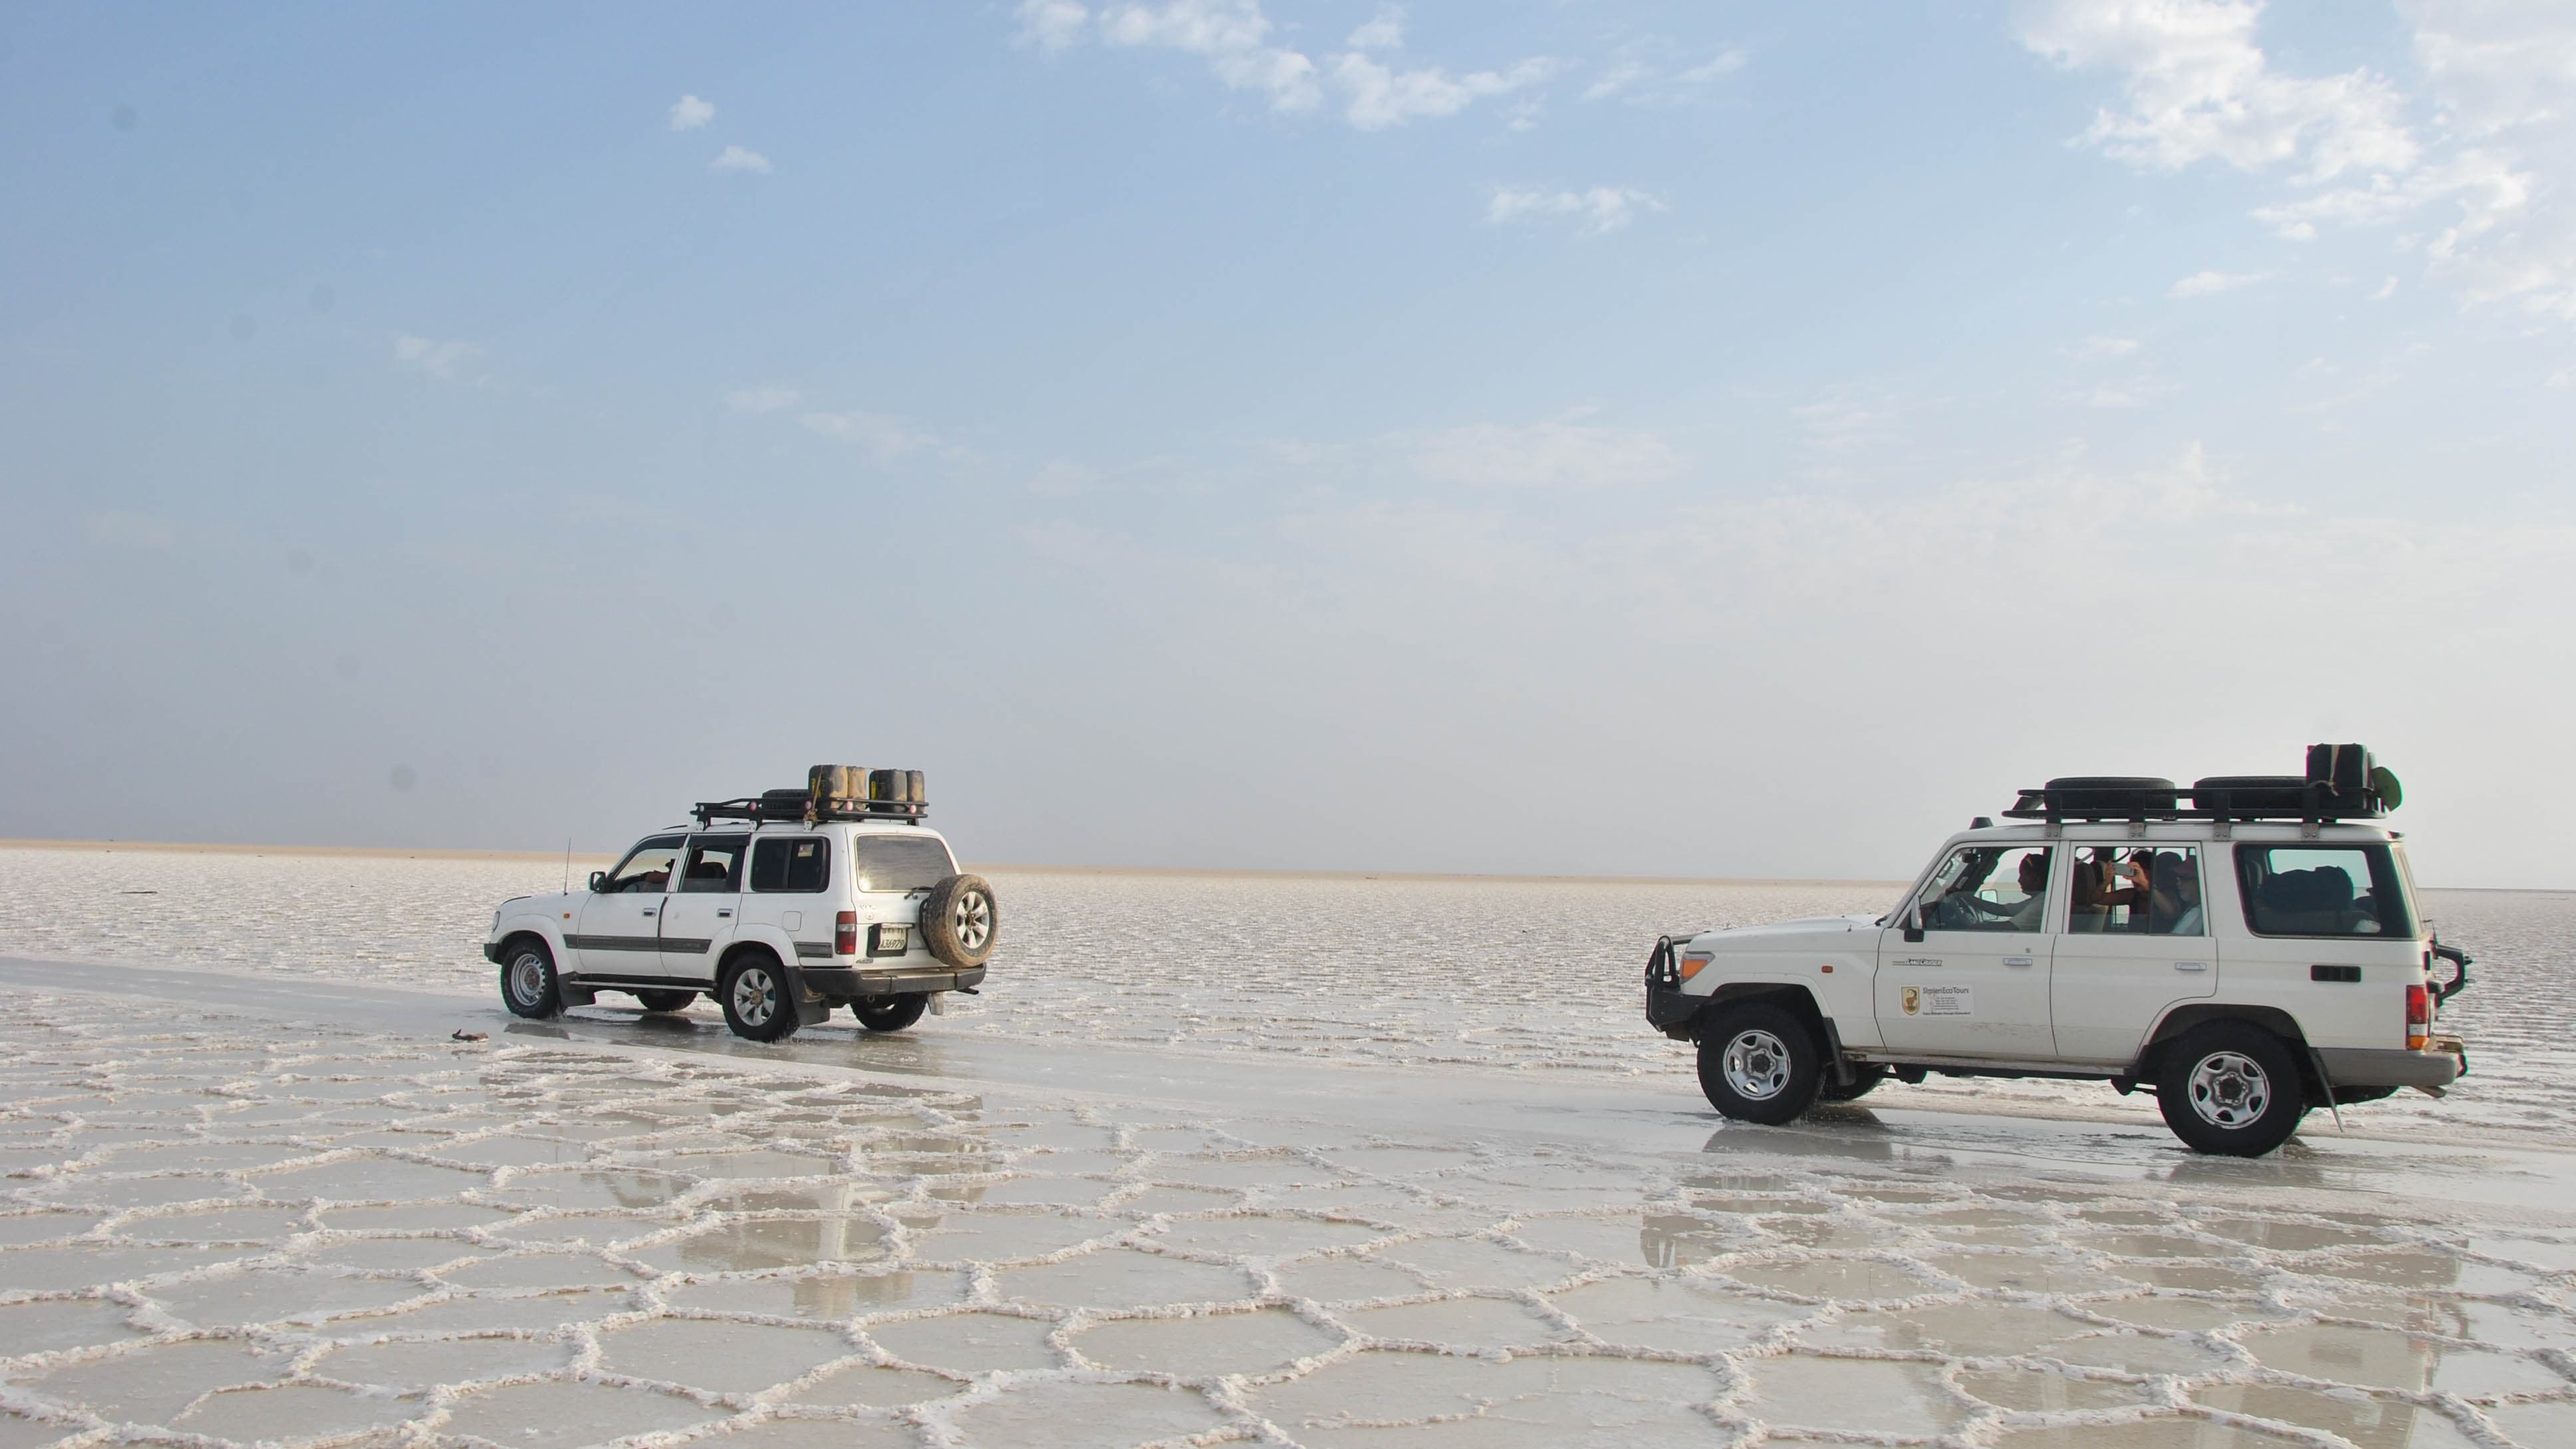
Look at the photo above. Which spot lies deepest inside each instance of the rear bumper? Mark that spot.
(2391, 1067)
(842, 983)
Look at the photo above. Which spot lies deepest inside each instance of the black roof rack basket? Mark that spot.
(2342, 782)
(800, 806)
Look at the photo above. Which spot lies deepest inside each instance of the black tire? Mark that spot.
(754, 993)
(1864, 1081)
(890, 1013)
(528, 983)
(674, 1000)
(2231, 1088)
(1776, 1067)
(959, 920)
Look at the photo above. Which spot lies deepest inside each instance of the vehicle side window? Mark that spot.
(900, 862)
(2322, 890)
(801, 865)
(2152, 890)
(646, 870)
(715, 863)
(1988, 888)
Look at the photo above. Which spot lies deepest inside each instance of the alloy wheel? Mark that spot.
(755, 996)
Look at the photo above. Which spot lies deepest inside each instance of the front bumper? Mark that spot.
(843, 983)
(492, 952)
(2440, 1065)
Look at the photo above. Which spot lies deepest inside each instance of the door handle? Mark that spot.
(1920, 961)
(720, 915)
(2191, 965)
(648, 910)
(2017, 961)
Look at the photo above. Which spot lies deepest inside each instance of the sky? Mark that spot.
(1605, 438)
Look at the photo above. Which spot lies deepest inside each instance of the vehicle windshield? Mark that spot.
(646, 869)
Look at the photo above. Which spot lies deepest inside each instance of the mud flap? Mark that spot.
(812, 1009)
(572, 995)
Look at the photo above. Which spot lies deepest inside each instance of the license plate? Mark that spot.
(890, 941)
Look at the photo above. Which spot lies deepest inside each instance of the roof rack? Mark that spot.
(2342, 782)
(800, 807)
(2317, 802)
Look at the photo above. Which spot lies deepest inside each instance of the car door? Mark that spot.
(1976, 984)
(698, 918)
(2137, 941)
(621, 926)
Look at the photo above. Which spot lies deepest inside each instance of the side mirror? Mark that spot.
(598, 881)
(1913, 923)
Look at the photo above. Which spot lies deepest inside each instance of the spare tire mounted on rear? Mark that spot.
(959, 919)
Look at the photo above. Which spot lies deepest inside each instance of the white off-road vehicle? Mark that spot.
(2246, 957)
(780, 906)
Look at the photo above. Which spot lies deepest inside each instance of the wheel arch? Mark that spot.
(545, 931)
(1795, 999)
(2189, 1016)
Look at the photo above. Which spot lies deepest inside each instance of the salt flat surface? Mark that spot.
(1523, 976)
(331, 1228)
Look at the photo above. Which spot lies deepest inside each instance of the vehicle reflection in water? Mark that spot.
(835, 1045)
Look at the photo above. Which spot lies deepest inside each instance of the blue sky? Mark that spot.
(1672, 439)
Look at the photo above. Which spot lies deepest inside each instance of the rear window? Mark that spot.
(900, 862)
(795, 865)
(2323, 890)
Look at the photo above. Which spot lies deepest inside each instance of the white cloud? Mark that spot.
(2205, 284)
(736, 158)
(884, 437)
(2096, 349)
(1615, 79)
(763, 399)
(2197, 87)
(2502, 79)
(446, 361)
(1232, 35)
(1543, 455)
(1051, 24)
(1602, 209)
(1383, 31)
(1380, 97)
(2384, 290)
(1236, 40)
(689, 113)
(1649, 82)
(1716, 67)
(2497, 64)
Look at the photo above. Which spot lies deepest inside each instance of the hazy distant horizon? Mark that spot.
(1625, 440)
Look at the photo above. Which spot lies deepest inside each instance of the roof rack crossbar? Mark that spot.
(753, 808)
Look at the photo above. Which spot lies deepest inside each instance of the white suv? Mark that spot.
(2246, 957)
(781, 907)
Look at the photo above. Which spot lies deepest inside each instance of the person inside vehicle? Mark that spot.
(2173, 904)
(2101, 882)
(2020, 915)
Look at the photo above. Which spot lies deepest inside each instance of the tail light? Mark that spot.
(845, 934)
(2419, 1018)
(1693, 963)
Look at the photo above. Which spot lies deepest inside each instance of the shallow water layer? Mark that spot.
(1526, 976)
(850, 1260)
